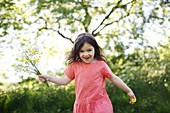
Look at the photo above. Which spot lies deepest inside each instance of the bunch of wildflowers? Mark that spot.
(32, 58)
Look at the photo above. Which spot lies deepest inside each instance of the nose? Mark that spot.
(86, 53)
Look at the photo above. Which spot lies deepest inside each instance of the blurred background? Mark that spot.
(134, 35)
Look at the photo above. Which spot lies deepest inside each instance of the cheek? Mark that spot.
(93, 53)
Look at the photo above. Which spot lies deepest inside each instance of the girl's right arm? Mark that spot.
(55, 79)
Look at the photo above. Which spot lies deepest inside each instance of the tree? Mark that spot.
(122, 25)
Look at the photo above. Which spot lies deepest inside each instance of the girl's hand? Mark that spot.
(43, 78)
(132, 97)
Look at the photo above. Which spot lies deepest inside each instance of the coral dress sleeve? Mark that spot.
(106, 71)
(69, 71)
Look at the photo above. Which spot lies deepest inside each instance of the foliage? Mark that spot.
(147, 73)
(117, 19)
(38, 100)
(60, 99)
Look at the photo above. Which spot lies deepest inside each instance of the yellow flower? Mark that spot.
(35, 60)
(28, 61)
(133, 100)
(32, 51)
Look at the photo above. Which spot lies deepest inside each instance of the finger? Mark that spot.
(42, 78)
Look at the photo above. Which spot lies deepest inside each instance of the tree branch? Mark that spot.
(65, 36)
(87, 17)
(107, 16)
(45, 27)
(110, 24)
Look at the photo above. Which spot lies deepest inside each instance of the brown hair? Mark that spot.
(78, 44)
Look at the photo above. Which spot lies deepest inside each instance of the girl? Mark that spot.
(87, 66)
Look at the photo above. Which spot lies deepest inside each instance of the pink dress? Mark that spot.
(91, 95)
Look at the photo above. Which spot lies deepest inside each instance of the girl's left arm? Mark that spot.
(119, 83)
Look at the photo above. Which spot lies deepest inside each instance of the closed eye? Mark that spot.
(81, 51)
(89, 50)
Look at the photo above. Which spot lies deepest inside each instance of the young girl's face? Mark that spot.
(87, 53)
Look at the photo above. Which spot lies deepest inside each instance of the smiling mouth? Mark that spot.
(87, 58)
